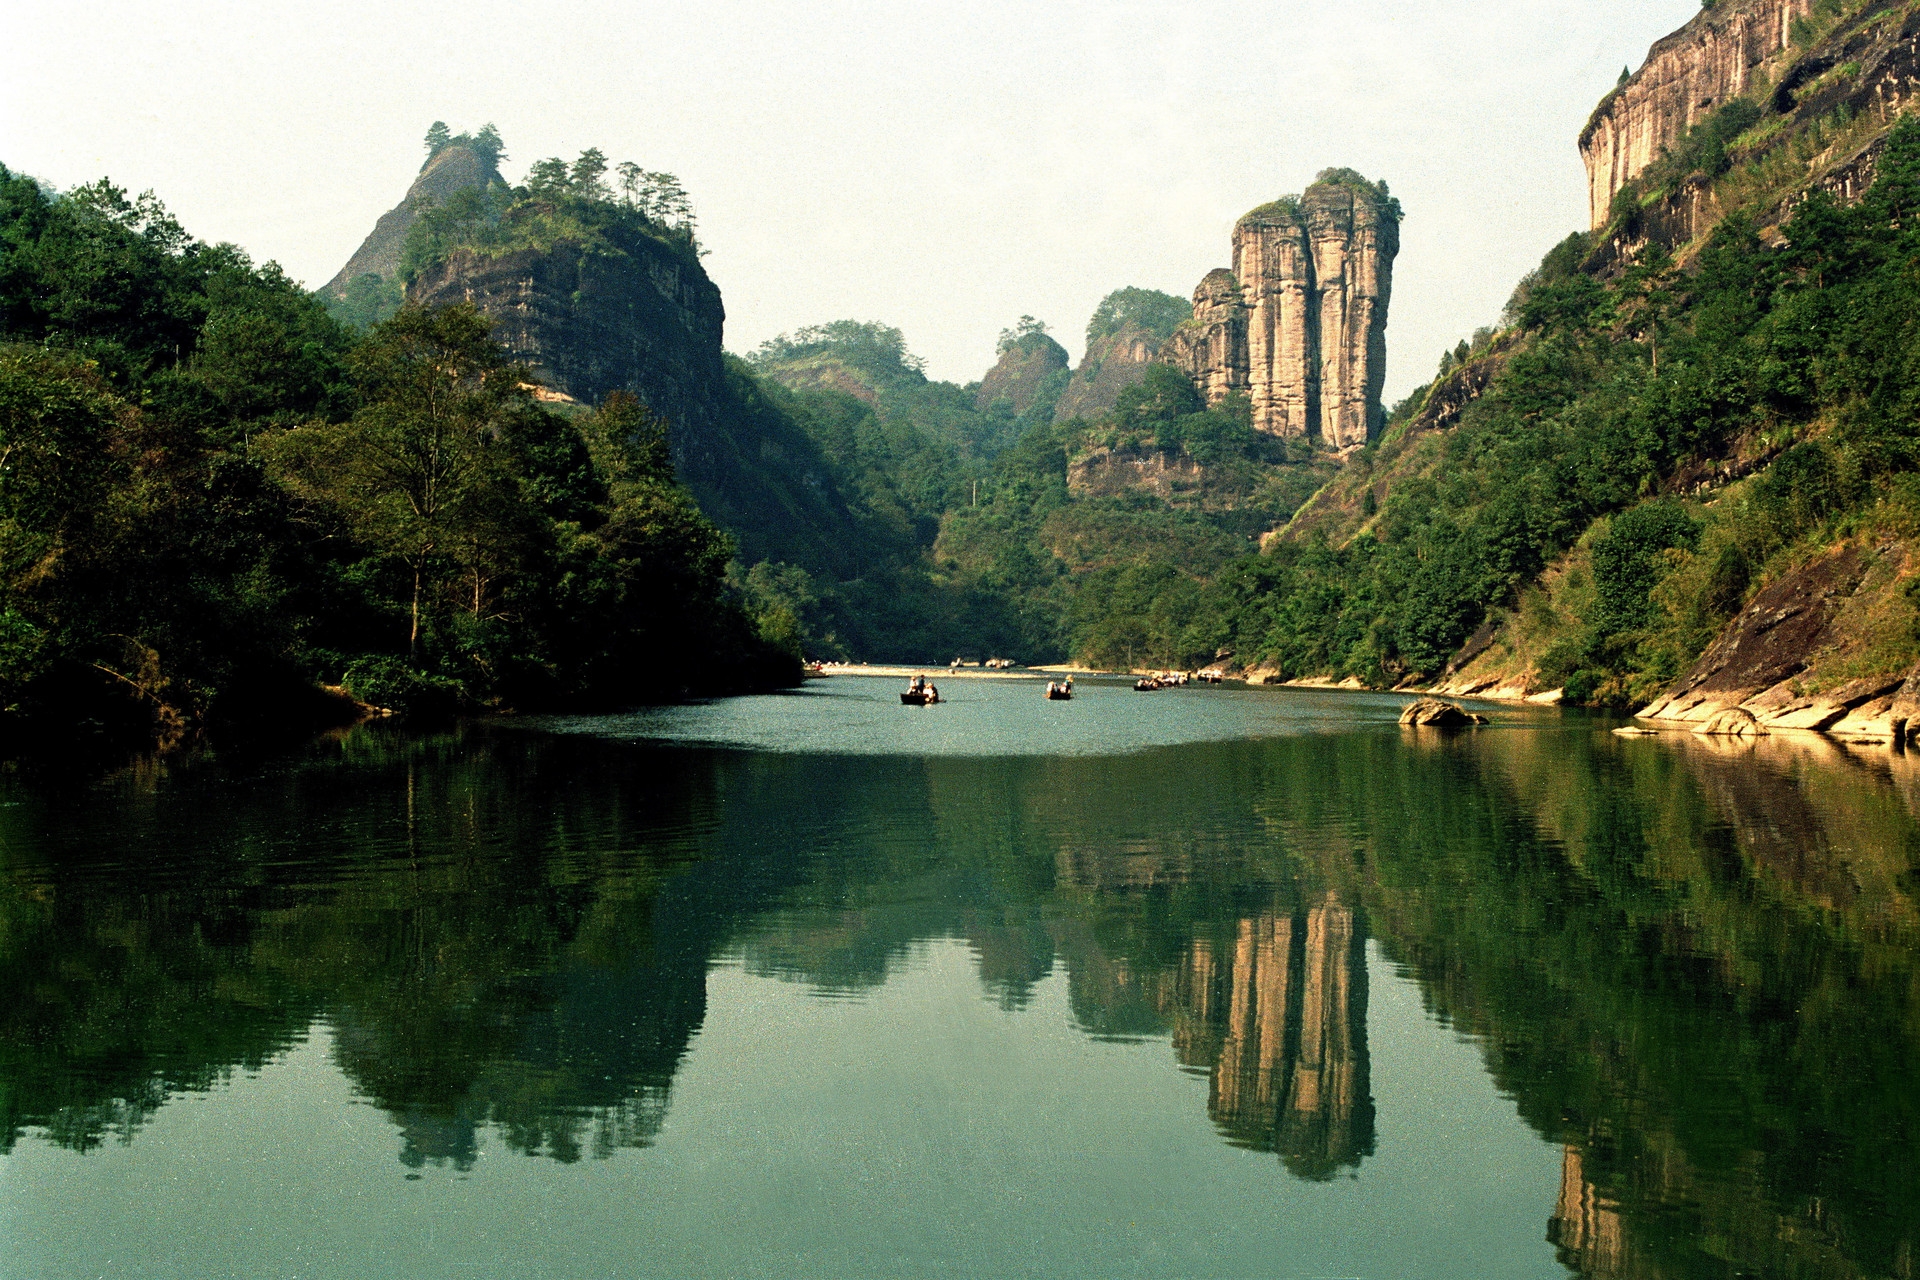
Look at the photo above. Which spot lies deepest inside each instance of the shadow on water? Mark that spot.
(1691, 964)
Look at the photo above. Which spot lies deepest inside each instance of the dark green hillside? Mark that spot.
(219, 499)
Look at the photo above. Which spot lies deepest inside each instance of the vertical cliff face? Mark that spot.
(1353, 241)
(1814, 108)
(1211, 348)
(1112, 364)
(1021, 372)
(452, 170)
(1686, 75)
(1300, 322)
(1273, 261)
(645, 320)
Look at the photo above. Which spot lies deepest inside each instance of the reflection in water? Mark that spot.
(1585, 1228)
(1691, 966)
(1279, 1020)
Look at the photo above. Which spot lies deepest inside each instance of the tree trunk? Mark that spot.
(413, 639)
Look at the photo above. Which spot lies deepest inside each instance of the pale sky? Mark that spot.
(945, 168)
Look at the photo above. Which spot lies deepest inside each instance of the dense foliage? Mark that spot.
(584, 203)
(1149, 309)
(990, 550)
(1609, 394)
(214, 497)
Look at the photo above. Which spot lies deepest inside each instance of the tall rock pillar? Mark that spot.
(1300, 322)
(1353, 249)
(1274, 264)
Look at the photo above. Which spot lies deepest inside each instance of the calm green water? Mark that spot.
(1207, 982)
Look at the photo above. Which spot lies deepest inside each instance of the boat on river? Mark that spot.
(1060, 692)
(1147, 684)
(923, 697)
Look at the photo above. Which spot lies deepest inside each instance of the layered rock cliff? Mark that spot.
(1685, 77)
(646, 320)
(1112, 364)
(1021, 373)
(451, 170)
(1212, 347)
(1300, 321)
(1744, 110)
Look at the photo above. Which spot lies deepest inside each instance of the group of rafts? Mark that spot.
(921, 693)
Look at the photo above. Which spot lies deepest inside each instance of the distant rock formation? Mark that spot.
(1021, 372)
(452, 169)
(1300, 322)
(1112, 364)
(645, 320)
(1685, 77)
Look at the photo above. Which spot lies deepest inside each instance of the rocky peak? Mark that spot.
(646, 320)
(1113, 363)
(1685, 77)
(1211, 348)
(1022, 370)
(452, 169)
(1300, 321)
(1125, 337)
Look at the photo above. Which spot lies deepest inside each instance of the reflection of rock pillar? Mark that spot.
(1252, 1055)
(1584, 1228)
(1292, 1072)
(1328, 1118)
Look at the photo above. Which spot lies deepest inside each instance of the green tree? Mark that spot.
(1156, 312)
(587, 177)
(420, 470)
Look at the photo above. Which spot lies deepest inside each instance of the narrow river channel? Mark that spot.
(1201, 982)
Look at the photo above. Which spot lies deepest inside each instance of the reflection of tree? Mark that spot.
(484, 929)
(1695, 970)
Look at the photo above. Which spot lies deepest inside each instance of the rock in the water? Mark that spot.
(1733, 722)
(1440, 714)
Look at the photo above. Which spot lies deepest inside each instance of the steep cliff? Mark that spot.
(1686, 76)
(1306, 334)
(645, 319)
(453, 169)
(1021, 373)
(1729, 116)
(1211, 348)
(1112, 364)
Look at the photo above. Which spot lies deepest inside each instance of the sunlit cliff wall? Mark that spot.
(1686, 75)
(1300, 322)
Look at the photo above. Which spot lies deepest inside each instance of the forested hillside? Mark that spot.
(1039, 540)
(216, 500)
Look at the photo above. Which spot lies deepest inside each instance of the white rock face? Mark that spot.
(1685, 77)
(1300, 322)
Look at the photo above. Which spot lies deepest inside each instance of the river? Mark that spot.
(1202, 982)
